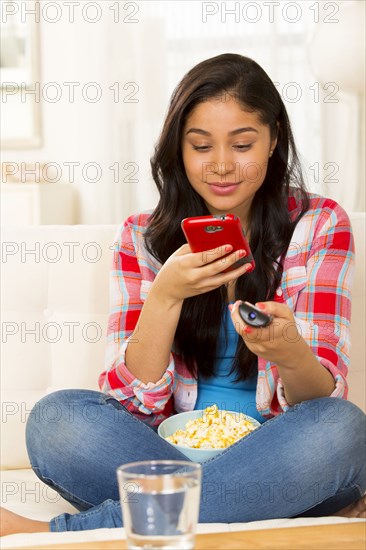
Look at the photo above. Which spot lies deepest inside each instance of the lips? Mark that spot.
(223, 184)
(226, 188)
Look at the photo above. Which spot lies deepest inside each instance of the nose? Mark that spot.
(224, 161)
(225, 167)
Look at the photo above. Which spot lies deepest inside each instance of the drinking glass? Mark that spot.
(160, 503)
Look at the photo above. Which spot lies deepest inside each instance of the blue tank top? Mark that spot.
(222, 388)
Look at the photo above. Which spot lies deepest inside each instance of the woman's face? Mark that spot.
(225, 153)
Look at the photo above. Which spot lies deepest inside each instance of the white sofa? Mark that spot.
(55, 298)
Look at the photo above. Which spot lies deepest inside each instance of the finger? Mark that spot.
(184, 249)
(209, 256)
(245, 331)
(235, 315)
(228, 261)
(215, 270)
(275, 309)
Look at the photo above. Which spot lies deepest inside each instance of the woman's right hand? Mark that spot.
(186, 274)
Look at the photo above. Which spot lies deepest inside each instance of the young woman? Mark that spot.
(177, 342)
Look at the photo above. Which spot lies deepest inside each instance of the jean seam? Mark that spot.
(89, 513)
(353, 486)
(131, 415)
(58, 524)
(57, 486)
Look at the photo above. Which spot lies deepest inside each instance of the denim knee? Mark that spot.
(49, 422)
(342, 426)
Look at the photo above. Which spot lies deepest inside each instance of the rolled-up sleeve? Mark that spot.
(316, 284)
(127, 292)
(323, 306)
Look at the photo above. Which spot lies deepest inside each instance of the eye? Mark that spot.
(243, 147)
(201, 147)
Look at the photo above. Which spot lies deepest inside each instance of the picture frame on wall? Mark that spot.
(19, 77)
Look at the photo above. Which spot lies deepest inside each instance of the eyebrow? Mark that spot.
(232, 133)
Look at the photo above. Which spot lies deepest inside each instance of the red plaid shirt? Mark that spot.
(316, 285)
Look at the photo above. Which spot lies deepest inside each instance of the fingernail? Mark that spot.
(230, 306)
(247, 329)
(260, 305)
(249, 267)
(242, 253)
(235, 305)
(228, 247)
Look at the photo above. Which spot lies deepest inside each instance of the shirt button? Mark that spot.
(279, 292)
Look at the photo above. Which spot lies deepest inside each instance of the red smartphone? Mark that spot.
(208, 232)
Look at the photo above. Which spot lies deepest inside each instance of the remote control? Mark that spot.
(254, 316)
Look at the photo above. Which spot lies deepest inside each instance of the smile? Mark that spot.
(223, 188)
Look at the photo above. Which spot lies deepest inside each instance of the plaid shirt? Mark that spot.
(316, 285)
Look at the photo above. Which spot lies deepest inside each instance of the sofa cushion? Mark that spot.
(15, 408)
(55, 290)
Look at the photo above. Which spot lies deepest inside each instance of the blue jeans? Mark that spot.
(309, 461)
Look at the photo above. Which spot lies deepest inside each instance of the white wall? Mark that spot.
(77, 131)
(119, 132)
(337, 54)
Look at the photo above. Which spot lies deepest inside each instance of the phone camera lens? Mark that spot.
(252, 315)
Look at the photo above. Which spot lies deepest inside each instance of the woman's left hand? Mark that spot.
(280, 342)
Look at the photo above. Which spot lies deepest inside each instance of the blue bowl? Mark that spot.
(179, 421)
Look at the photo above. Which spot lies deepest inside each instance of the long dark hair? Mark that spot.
(270, 224)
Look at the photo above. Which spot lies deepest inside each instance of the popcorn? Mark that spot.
(215, 430)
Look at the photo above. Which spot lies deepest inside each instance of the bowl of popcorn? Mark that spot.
(203, 434)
